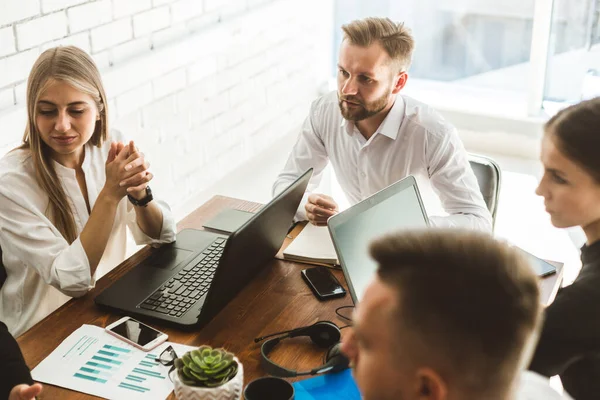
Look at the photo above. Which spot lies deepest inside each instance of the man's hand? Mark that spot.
(25, 392)
(319, 208)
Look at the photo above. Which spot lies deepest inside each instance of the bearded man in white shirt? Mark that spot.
(374, 136)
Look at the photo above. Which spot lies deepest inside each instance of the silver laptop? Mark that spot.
(397, 207)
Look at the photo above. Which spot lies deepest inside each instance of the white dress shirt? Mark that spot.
(412, 140)
(42, 268)
(533, 386)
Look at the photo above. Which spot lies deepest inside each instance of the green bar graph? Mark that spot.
(115, 348)
(94, 364)
(90, 378)
(106, 360)
(135, 378)
(133, 387)
(108, 353)
(94, 371)
(148, 364)
(149, 373)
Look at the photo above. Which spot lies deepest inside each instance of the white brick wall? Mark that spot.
(16, 10)
(151, 21)
(81, 40)
(15, 68)
(156, 3)
(200, 85)
(173, 82)
(54, 5)
(129, 7)
(129, 49)
(89, 15)
(40, 30)
(20, 93)
(111, 34)
(185, 9)
(7, 41)
(6, 98)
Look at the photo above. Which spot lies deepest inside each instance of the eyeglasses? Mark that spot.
(167, 358)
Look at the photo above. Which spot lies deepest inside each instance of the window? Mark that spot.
(506, 56)
(574, 60)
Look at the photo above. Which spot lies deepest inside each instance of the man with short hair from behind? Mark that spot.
(375, 136)
(450, 315)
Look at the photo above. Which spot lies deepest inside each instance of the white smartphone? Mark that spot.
(136, 334)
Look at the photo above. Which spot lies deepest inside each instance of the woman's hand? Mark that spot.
(115, 172)
(137, 175)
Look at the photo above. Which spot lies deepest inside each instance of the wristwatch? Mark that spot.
(143, 202)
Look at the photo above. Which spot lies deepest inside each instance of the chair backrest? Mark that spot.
(2, 270)
(489, 177)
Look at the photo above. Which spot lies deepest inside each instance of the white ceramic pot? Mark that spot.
(232, 390)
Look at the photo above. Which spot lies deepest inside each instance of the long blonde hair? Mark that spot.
(73, 66)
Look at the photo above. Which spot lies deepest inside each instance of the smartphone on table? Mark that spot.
(323, 283)
(136, 334)
(541, 267)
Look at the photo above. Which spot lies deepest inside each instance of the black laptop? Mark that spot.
(189, 281)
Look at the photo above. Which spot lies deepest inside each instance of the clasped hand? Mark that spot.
(126, 171)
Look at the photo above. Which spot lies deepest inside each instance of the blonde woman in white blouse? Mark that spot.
(64, 193)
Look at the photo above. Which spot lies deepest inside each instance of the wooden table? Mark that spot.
(276, 299)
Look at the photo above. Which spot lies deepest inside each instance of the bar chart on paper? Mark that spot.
(94, 362)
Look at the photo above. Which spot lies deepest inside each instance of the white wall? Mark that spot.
(200, 85)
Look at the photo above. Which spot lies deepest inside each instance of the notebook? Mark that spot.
(339, 385)
(312, 245)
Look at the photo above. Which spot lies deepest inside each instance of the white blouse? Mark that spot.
(43, 270)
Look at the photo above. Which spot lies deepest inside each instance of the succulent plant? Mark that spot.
(206, 367)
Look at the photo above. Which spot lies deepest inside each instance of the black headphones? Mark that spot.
(323, 333)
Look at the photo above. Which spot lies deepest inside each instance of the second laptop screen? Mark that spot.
(400, 211)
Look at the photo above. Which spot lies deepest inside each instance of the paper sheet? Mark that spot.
(313, 243)
(94, 362)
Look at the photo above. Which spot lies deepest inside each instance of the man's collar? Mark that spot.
(390, 125)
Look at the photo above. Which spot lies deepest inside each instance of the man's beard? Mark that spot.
(360, 110)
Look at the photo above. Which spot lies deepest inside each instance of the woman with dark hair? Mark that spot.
(569, 344)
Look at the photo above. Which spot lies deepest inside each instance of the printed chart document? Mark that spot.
(312, 245)
(94, 362)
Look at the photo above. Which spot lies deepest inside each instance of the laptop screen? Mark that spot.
(394, 208)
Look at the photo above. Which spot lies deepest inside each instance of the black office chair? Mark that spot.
(489, 177)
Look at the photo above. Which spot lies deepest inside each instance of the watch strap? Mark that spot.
(143, 202)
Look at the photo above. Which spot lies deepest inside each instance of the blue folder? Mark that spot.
(340, 385)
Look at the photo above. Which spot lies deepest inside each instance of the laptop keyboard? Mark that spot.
(183, 290)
